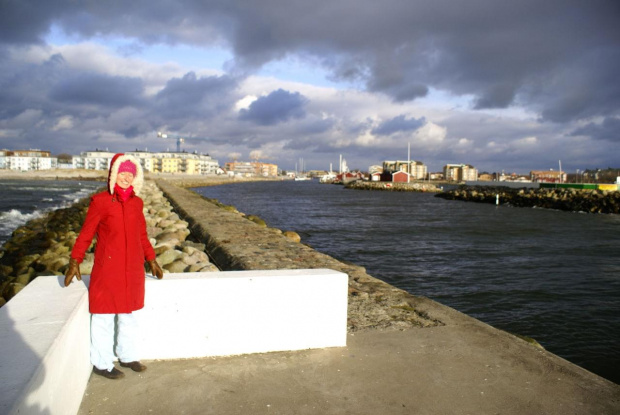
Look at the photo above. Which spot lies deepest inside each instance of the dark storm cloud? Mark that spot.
(98, 89)
(279, 106)
(557, 59)
(398, 124)
(192, 96)
(23, 22)
(26, 86)
(527, 52)
(608, 130)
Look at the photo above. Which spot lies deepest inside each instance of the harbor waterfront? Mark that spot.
(553, 276)
(456, 364)
(544, 274)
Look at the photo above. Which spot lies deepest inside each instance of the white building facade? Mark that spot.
(460, 172)
(164, 162)
(27, 160)
(93, 160)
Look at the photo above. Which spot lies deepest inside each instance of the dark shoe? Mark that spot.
(135, 366)
(110, 374)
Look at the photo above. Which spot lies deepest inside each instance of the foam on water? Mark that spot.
(14, 218)
(24, 201)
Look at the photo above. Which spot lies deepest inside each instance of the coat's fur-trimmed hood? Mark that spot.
(115, 164)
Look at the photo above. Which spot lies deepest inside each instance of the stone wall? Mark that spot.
(574, 200)
(191, 233)
(43, 246)
(236, 242)
(393, 186)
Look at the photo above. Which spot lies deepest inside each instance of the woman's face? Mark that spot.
(124, 180)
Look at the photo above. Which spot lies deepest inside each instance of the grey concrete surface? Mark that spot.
(391, 365)
(466, 368)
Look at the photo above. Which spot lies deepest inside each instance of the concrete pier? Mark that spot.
(456, 365)
(404, 354)
(463, 367)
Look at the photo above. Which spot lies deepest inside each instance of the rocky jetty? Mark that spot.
(236, 241)
(190, 234)
(43, 246)
(573, 200)
(392, 186)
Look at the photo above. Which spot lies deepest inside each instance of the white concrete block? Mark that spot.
(236, 312)
(45, 341)
(44, 364)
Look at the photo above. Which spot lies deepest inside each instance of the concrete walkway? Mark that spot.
(405, 354)
(465, 367)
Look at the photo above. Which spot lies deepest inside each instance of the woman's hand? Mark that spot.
(156, 270)
(72, 271)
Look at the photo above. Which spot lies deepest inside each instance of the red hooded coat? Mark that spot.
(117, 278)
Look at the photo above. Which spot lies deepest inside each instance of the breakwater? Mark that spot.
(235, 241)
(43, 246)
(191, 233)
(392, 186)
(573, 200)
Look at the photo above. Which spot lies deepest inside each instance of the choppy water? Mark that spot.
(550, 275)
(23, 200)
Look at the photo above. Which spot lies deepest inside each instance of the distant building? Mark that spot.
(3, 159)
(416, 169)
(460, 172)
(485, 177)
(316, 173)
(400, 177)
(375, 169)
(347, 177)
(26, 160)
(164, 162)
(242, 168)
(516, 178)
(548, 176)
(252, 168)
(268, 169)
(375, 177)
(93, 160)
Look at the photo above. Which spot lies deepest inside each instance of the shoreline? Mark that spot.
(42, 246)
(58, 174)
(564, 199)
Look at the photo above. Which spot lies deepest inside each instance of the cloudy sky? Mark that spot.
(502, 85)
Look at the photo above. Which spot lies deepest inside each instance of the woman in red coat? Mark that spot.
(117, 280)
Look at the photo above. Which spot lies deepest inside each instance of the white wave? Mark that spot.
(14, 218)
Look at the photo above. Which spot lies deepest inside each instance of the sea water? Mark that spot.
(23, 200)
(550, 275)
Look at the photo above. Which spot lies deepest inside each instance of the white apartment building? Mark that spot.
(93, 160)
(26, 160)
(460, 172)
(164, 162)
(3, 159)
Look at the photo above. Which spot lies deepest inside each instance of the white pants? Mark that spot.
(102, 339)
